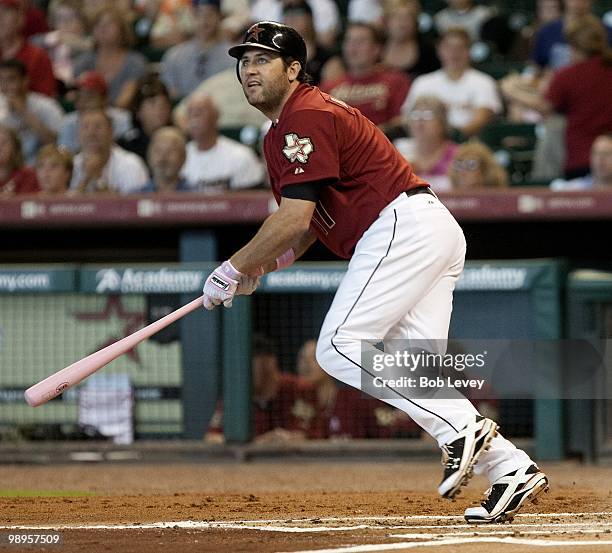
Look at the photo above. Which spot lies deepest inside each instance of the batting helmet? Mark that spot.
(276, 37)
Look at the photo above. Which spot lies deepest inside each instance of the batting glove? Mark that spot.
(221, 286)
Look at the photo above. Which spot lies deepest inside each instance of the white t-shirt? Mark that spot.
(124, 172)
(462, 97)
(228, 165)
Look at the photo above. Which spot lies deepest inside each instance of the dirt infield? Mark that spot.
(290, 506)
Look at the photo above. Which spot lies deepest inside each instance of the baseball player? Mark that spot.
(337, 179)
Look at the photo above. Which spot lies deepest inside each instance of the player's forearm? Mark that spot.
(298, 251)
(277, 234)
(302, 246)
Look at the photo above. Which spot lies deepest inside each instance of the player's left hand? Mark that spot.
(221, 286)
(247, 285)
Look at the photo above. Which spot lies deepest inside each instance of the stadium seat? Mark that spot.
(499, 69)
(514, 147)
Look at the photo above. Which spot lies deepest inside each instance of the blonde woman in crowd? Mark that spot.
(53, 169)
(475, 167)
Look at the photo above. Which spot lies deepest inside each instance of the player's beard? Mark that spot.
(269, 95)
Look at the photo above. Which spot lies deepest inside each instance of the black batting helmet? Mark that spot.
(276, 37)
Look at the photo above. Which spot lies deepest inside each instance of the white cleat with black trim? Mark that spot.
(507, 495)
(461, 454)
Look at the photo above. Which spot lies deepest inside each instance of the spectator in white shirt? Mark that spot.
(101, 165)
(471, 96)
(216, 163)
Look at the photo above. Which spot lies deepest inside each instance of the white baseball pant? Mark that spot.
(399, 285)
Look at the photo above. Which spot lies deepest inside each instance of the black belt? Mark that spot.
(419, 190)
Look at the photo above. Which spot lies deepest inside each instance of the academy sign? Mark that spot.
(163, 280)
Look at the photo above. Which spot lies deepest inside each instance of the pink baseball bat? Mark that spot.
(60, 381)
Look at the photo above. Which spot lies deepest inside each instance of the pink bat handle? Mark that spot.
(60, 381)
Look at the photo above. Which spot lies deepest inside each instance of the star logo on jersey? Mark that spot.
(254, 33)
(296, 148)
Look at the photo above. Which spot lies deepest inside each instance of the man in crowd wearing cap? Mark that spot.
(91, 93)
(14, 46)
(36, 117)
(187, 64)
(337, 179)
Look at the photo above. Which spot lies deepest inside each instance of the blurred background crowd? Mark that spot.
(141, 96)
(308, 404)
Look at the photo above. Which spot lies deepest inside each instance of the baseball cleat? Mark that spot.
(461, 454)
(507, 495)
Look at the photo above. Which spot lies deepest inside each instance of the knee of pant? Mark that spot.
(331, 347)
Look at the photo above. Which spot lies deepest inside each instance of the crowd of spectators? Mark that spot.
(141, 96)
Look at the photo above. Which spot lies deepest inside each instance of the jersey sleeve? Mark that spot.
(308, 149)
